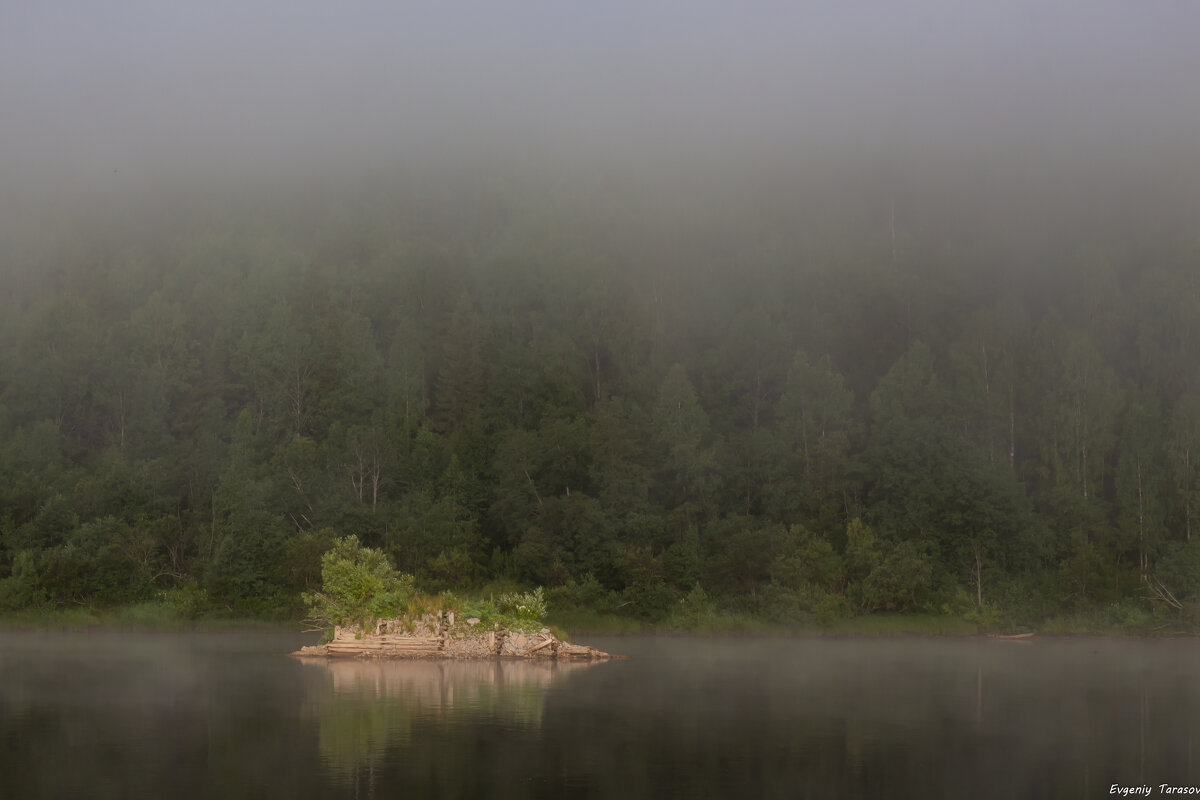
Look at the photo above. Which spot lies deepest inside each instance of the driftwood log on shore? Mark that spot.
(441, 636)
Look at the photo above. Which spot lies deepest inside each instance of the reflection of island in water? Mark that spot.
(364, 707)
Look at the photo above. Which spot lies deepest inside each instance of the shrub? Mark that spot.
(187, 600)
(694, 610)
(358, 586)
(525, 605)
(516, 611)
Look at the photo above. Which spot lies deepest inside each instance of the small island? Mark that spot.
(369, 610)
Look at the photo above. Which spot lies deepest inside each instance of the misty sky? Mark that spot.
(126, 92)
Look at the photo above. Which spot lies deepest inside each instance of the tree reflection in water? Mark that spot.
(363, 708)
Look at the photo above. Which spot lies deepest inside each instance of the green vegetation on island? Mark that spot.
(359, 586)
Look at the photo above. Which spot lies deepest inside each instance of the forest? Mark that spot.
(741, 398)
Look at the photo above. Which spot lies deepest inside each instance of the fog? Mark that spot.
(237, 237)
(196, 715)
(996, 102)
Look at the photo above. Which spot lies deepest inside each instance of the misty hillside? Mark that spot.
(792, 419)
(793, 316)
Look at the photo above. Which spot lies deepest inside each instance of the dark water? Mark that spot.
(222, 715)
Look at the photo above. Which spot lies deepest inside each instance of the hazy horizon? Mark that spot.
(123, 98)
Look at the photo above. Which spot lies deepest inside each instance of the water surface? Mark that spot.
(230, 715)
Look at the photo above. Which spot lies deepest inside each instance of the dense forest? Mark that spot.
(732, 399)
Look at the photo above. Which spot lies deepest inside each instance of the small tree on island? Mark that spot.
(358, 586)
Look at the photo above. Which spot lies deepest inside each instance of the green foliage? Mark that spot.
(524, 605)
(586, 594)
(808, 559)
(22, 588)
(358, 586)
(451, 568)
(186, 601)
(900, 582)
(693, 610)
(885, 577)
(516, 611)
(540, 396)
(1179, 569)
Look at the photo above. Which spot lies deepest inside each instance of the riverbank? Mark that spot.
(141, 617)
(569, 625)
(1114, 621)
(584, 623)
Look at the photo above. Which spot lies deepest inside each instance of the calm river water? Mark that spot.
(229, 715)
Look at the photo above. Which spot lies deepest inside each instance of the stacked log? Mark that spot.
(386, 645)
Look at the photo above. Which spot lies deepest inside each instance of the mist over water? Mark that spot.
(224, 155)
(109, 715)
